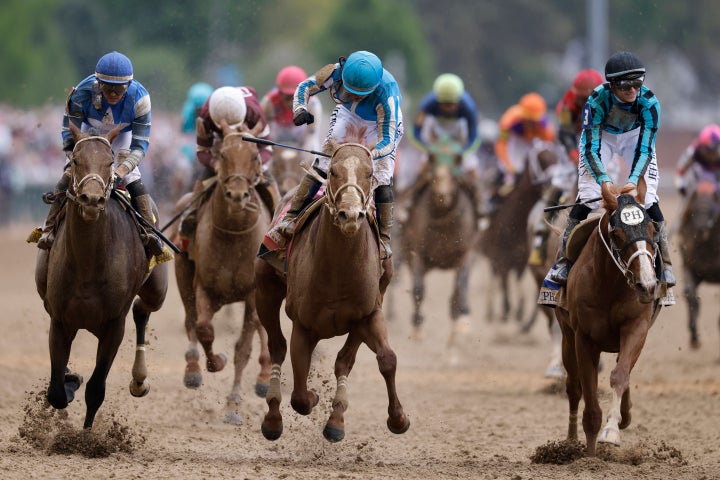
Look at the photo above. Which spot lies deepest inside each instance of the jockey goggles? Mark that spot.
(116, 88)
(625, 85)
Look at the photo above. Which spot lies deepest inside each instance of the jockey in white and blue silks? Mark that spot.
(620, 120)
(367, 96)
(109, 98)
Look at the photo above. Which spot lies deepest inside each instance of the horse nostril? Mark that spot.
(342, 215)
(83, 199)
(101, 202)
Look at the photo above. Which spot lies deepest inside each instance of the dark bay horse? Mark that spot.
(334, 286)
(504, 241)
(441, 231)
(610, 305)
(218, 270)
(90, 277)
(699, 231)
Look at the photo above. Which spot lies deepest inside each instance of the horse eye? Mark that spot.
(331, 172)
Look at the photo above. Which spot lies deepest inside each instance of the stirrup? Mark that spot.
(560, 270)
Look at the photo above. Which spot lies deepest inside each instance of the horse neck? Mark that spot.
(328, 238)
(84, 241)
(603, 260)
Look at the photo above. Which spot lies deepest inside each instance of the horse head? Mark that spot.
(630, 234)
(239, 165)
(91, 171)
(349, 184)
(445, 160)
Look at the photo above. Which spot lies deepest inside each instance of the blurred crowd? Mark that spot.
(31, 157)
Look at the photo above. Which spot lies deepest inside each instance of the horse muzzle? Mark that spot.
(91, 206)
(349, 220)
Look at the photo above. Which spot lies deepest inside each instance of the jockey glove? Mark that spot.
(302, 117)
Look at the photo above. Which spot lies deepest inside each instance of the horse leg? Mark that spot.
(693, 303)
(184, 274)
(588, 357)
(418, 273)
(107, 349)
(625, 406)
(269, 296)
(205, 331)
(573, 387)
(60, 392)
(243, 351)
(518, 288)
(334, 430)
(139, 387)
(459, 302)
(375, 337)
(302, 344)
(262, 381)
(504, 286)
(555, 367)
(631, 343)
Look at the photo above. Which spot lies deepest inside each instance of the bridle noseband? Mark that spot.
(617, 253)
(333, 196)
(106, 186)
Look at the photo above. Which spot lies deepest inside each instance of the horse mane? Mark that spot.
(353, 134)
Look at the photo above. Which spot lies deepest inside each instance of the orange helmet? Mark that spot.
(586, 80)
(289, 78)
(533, 106)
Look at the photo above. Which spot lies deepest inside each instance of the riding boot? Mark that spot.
(307, 188)
(385, 224)
(561, 269)
(48, 234)
(268, 191)
(661, 237)
(143, 204)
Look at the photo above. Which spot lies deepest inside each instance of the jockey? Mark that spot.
(569, 114)
(367, 96)
(700, 161)
(277, 106)
(621, 118)
(449, 110)
(237, 106)
(520, 126)
(98, 104)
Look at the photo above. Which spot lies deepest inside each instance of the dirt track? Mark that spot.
(480, 418)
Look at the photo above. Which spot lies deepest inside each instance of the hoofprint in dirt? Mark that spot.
(483, 416)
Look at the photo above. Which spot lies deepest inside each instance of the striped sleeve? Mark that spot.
(388, 114)
(593, 115)
(649, 122)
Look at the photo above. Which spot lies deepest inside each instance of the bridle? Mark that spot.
(77, 185)
(252, 182)
(333, 196)
(617, 253)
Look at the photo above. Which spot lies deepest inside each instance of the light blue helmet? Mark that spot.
(199, 93)
(114, 67)
(362, 73)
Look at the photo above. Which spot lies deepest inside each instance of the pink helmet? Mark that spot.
(586, 80)
(288, 79)
(709, 136)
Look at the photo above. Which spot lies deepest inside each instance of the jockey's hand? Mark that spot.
(303, 117)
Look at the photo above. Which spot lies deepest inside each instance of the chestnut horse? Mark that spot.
(440, 231)
(699, 231)
(611, 303)
(504, 241)
(91, 275)
(334, 286)
(217, 270)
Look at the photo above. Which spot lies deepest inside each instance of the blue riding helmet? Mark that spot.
(114, 67)
(198, 93)
(362, 73)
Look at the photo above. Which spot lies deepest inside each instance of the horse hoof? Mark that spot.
(139, 389)
(609, 435)
(695, 344)
(72, 383)
(218, 363)
(192, 380)
(234, 418)
(261, 389)
(271, 434)
(333, 434)
(403, 428)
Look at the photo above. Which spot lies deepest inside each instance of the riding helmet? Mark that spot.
(227, 103)
(623, 66)
(114, 67)
(289, 78)
(362, 73)
(448, 88)
(533, 106)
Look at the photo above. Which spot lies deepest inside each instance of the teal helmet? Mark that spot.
(362, 73)
(199, 93)
(114, 67)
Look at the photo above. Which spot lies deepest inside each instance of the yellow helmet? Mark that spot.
(448, 88)
(533, 106)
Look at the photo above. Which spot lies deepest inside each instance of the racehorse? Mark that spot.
(504, 241)
(611, 303)
(217, 270)
(440, 231)
(334, 286)
(91, 275)
(286, 168)
(700, 248)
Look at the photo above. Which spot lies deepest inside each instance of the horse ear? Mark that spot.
(112, 134)
(76, 133)
(257, 129)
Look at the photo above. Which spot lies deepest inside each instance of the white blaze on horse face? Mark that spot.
(647, 271)
(351, 196)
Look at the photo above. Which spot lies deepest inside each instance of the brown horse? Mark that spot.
(610, 305)
(334, 286)
(504, 241)
(700, 249)
(440, 232)
(91, 275)
(287, 168)
(217, 270)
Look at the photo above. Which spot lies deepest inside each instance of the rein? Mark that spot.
(333, 195)
(623, 266)
(107, 187)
